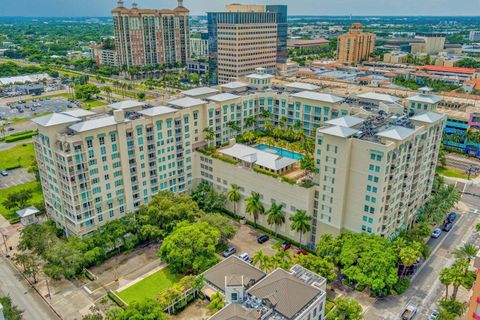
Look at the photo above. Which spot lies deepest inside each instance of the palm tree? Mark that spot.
(249, 137)
(108, 92)
(283, 122)
(233, 126)
(300, 223)
(307, 164)
(250, 122)
(446, 279)
(468, 251)
(262, 260)
(268, 126)
(233, 195)
(277, 133)
(254, 206)
(461, 276)
(276, 216)
(209, 134)
(265, 114)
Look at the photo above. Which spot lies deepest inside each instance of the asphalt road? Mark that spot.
(461, 163)
(425, 289)
(22, 295)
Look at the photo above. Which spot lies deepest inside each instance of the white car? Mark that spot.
(244, 256)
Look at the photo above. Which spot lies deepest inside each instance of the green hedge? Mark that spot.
(288, 180)
(116, 299)
(20, 136)
(89, 275)
(13, 167)
(224, 159)
(265, 172)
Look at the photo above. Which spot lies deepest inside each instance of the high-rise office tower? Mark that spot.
(355, 45)
(148, 37)
(244, 38)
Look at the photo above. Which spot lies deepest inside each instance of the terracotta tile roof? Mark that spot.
(448, 69)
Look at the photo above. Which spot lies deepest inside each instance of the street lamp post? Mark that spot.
(471, 169)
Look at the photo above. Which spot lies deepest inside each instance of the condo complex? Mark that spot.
(375, 158)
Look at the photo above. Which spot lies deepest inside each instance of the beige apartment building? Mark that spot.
(375, 169)
(355, 45)
(428, 43)
(149, 37)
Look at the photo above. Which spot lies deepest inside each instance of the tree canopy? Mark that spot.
(191, 248)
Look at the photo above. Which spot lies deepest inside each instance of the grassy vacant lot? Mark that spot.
(89, 104)
(56, 95)
(453, 173)
(149, 287)
(37, 197)
(21, 155)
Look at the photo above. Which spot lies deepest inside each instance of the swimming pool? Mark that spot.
(281, 152)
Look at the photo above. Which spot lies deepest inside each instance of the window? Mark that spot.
(234, 296)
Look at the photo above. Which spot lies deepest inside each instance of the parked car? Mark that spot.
(302, 251)
(262, 239)
(285, 245)
(409, 311)
(452, 216)
(229, 251)
(447, 226)
(436, 233)
(434, 315)
(244, 256)
(4, 173)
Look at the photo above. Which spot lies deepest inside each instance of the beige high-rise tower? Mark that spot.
(355, 45)
(149, 37)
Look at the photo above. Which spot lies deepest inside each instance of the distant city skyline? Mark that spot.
(296, 7)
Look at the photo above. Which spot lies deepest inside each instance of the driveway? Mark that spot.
(16, 177)
(246, 241)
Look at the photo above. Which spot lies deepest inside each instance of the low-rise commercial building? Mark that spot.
(251, 294)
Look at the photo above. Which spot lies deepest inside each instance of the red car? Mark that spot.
(285, 246)
(302, 251)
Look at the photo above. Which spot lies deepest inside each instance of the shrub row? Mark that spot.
(265, 172)
(116, 299)
(15, 166)
(22, 136)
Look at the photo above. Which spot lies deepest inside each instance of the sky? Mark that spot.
(64, 8)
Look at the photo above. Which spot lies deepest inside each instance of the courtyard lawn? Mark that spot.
(37, 197)
(150, 287)
(452, 173)
(21, 155)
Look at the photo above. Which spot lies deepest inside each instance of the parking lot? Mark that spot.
(29, 109)
(16, 177)
(246, 241)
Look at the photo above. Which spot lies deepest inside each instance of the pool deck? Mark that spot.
(279, 151)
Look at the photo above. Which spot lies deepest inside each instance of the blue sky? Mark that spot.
(310, 7)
